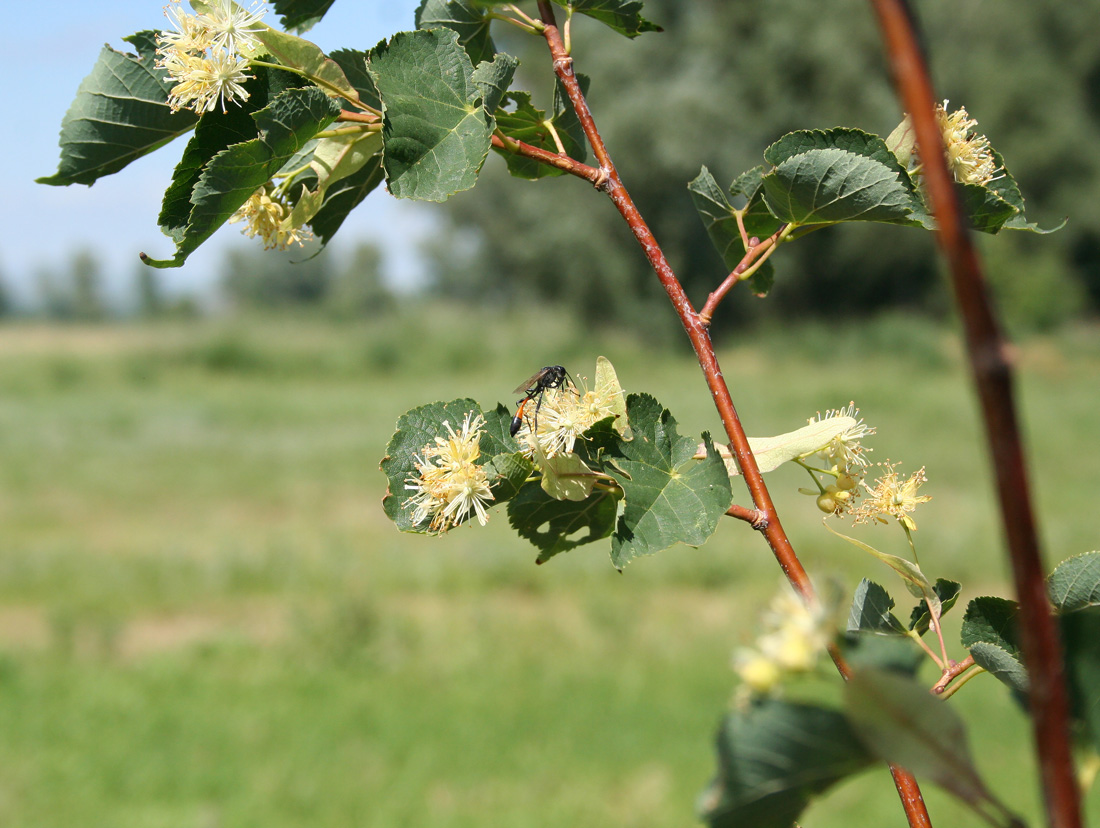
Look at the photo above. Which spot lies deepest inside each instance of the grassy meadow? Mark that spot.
(207, 621)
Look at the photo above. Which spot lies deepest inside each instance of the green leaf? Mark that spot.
(301, 15)
(621, 15)
(1075, 583)
(435, 130)
(342, 197)
(566, 121)
(498, 438)
(900, 722)
(415, 430)
(521, 121)
(214, 189)
(1002, 664)
(992, 620)
(854, 141)
(720, 220)
(470, 22)
(333, 159)
(831, 185)
(298, 53)
(823, 177)
(353, 63)
(948, 593)
(508, 473)
(915, 581)
(493, 77)
(990, 632)
(718, 217)
(773, 757)
(119, 114)
(870, 611)
(1006, 188)
(986, 211)
(555, 526)
(895, 653)
(670, 497)
(1081, 645)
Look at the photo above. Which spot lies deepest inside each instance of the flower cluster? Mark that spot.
(206, 57)
(794, 636)
(268, 217)
(564, 415)
(449, 484)
(969, 156)
(893, 497)
(843, 457)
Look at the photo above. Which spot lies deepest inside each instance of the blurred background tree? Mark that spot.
(735, 80)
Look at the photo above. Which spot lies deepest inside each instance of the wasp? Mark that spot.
(552, 376)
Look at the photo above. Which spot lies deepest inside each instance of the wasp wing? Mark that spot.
(533, 382)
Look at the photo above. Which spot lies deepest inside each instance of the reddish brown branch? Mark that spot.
(752, 253)
(696, 328)
(754, 517)
(358, 117)
(992, 376)
(950, 673)
(552, 159)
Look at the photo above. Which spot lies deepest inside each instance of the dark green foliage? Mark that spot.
(229, 157)
(871, 611)
(120, 113)
(555, 526)
(773, 756)
(735, 80)
(301, 14)
(899, 721)
(948, 593)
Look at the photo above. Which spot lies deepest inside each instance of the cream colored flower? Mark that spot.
(893, 497)
(845, 450)
(565, 414)
(269, 218)
(449, 485)
(232, 28)
(969, 156)
(793, 638)
(206, 56)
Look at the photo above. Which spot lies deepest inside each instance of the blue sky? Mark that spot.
(51, 46)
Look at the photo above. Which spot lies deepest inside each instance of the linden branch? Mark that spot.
(992, 375)
(697, 330)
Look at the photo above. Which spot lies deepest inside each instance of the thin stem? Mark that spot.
(696, 328)
(530, 21)
(952, 672)
(519, 24)
(755, 255)
(321, 82)
(928, 650)
(992, 376)
(562, 162)
(359, 117)
(754, 517)
(350, 130)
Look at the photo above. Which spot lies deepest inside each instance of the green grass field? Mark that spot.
(206, 620)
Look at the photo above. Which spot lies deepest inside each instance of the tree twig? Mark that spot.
(992, 375)
(562, 162)
(755, 254)
(696, 328)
